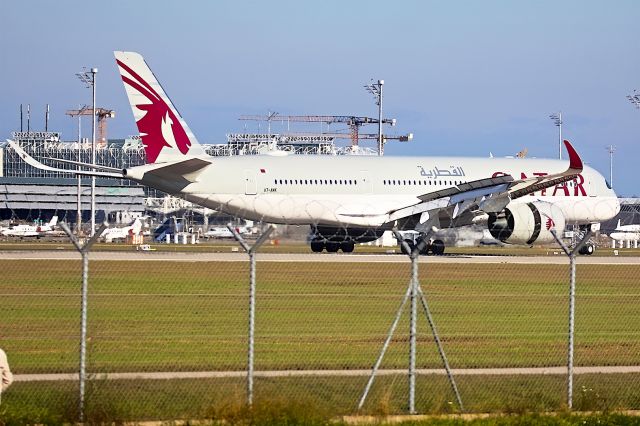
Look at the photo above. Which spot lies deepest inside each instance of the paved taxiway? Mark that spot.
(163, 375)
(557, 259)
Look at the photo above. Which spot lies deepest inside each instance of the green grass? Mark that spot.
(186, 316)
(317, 399)
(150, 316)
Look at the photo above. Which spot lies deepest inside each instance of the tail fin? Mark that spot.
(53, 221)
(136, 227)
(165, 135)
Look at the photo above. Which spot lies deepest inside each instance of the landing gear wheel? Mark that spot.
(347, 246)
(587, 249)
(332, 246)
(410, 244)
(317, 246)
(426, 249)
(437, 247)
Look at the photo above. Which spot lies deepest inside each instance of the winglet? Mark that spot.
(575, 162)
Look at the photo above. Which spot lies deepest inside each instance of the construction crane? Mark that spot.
(353, 122)
(101, 113)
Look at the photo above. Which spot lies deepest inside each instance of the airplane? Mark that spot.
(352, 199)
(111, 234)
(224, 232)
(30, 230)
(626, 233)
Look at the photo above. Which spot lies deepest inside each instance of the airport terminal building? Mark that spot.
(29, 193)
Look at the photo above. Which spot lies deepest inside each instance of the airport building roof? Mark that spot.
(64, 197)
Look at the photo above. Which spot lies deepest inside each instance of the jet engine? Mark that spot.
(527, 223)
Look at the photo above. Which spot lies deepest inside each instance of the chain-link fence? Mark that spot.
(168, 331)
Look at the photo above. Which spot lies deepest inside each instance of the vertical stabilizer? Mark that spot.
(165, 135)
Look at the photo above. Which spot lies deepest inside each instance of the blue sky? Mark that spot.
(466, 77)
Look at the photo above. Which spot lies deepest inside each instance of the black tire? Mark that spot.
(586, 249)
(332, 247)
(347, 246)
(437, 247)
(410, 244)
(317, 246)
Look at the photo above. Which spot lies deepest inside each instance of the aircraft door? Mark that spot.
(365, 182)
(251, 183)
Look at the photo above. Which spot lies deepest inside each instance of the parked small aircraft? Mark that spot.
(223, 232)
(111, 234)
(626, 233)
(30, 230)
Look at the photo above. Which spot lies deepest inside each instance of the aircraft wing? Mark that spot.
(489, 195)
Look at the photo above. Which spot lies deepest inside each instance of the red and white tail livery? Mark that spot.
(165, 135)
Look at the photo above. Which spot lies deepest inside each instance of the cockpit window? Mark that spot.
(608, 184)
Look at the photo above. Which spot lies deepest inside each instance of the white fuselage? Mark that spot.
(363, 190)
(26, 231)
(626, 233)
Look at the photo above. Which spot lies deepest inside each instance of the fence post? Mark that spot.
(251, 250)
(84, 252)
(413, 330)
(413, 291)
(572, 303)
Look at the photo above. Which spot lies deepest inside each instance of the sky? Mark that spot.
(465, 77)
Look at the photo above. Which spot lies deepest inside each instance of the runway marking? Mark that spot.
(330, 373)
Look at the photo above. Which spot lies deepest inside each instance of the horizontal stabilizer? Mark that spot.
(91, 166)
(185, 170)
(38, 165)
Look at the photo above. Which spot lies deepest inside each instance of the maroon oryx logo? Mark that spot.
(159, 122)
(550, 224)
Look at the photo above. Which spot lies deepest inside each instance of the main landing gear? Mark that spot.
(436, 247)
(587, 249)
(317, 246)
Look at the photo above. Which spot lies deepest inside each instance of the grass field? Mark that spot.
(192, 316)
(317, 398)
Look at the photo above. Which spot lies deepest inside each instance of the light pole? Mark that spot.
(376, 90)
(557, 120)
(89, 78)
(79, 196)
(610, 149)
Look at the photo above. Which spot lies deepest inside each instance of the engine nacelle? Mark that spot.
(527, 223)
